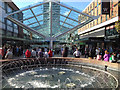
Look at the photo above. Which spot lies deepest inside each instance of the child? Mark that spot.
(111, 59)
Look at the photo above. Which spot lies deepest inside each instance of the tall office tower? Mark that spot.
(52, 18)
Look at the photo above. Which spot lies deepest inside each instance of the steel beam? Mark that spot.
(71, 8)
(68, 17)
(28, 7)
(65, 19)
(25, 27)
(67, 23)
(78, 26)
(60, 32)
(33, 16)
(37, 22)
(65, 27)
(51, 41)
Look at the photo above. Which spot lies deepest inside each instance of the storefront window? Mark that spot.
(111, 31)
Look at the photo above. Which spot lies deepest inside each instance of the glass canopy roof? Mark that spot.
(50, 19)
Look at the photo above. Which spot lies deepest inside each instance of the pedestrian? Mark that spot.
(106, 56)
(46, 49)
(50, 53)
(9, 54)
(46, 54)
(86, 52)
(98, 57)
(33, 53)
(93, 53)
(111, 59)
(77, 53)
(40, 53)
(28, 54)
(17, 51)
(65, 52)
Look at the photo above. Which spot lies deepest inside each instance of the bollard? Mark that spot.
(106, 67)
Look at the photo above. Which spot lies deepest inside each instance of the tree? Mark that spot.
(117, 26)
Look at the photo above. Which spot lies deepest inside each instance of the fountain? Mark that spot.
(36, 73)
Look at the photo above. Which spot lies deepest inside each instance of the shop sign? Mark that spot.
(106, 7)
(107, 40)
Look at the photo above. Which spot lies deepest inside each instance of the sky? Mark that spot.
(76, 4)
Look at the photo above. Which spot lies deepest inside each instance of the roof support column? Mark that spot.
(51, 41)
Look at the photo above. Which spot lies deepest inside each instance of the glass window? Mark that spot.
(9, 33)
(106, 17)
(9, 28)
(16, 16)
(9, 9)
(15, 26)
(3, 5)
(15, 30)
(9, 22)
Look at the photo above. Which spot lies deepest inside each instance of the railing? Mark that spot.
(68, 60)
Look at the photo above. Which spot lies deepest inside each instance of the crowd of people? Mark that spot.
(40, 53)
(7, 52)
(110, 55)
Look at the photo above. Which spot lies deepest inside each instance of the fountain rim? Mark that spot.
(100, 71)
(83, 65)
(91, 68)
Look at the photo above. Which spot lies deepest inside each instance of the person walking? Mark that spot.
(77, 53)
(86, 52)
(9, 54)
(50, 53)
(17, 51)
(40, 53)
(33, 53)
(46, 54)
(27, 53)
(65, 52)
(106, 56)
(98, 54)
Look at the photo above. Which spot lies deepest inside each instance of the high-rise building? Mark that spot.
(8, 29)
(51, 19)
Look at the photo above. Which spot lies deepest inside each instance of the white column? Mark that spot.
(51, 44)
(51, 40)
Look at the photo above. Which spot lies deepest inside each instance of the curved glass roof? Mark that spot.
(50, 19)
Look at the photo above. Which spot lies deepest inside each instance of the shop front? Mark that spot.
(112, 37)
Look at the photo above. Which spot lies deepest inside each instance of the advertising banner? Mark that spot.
(106, 7)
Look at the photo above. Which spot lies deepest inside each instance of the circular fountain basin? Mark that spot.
(36, 74)
(50, 77)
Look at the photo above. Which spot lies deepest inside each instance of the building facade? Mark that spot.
(101, 32)
(51, 20)
(9, 30)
